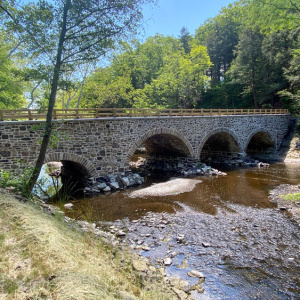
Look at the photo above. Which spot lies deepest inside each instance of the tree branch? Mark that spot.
(26, 30)
(10, 53)
(295, 6)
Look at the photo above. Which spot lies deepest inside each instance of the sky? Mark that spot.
(169, 16)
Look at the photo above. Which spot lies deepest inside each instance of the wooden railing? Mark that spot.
(87, 113)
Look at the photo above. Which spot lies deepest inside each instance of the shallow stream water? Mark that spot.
(245, 246)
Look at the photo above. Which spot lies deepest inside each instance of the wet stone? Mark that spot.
(167, 261)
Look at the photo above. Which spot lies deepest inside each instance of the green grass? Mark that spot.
(41, 257)
(292, 197)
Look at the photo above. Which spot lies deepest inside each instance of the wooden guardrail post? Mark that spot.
(30, 114)
(114, 112)
(1, 115)
(130, 112)
(77, 113)
(54, 114)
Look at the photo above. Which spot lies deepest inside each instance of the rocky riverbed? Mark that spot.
(242, 252)
(239, 253)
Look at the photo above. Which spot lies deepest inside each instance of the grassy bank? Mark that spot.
(42, 258)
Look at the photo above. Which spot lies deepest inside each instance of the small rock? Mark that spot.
(168, 261)
(194, 273)
(180, 284)
(180, 238)
(68, 205)
(121, 233)
(173, 254)
(140, 265)
(180, 294)
(205, 245)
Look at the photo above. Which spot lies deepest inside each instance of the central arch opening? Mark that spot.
(162, 151)
(165, 145)
(218, 147)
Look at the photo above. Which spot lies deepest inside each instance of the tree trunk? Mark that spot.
(51, 104)
(10, 53)
(32, 93)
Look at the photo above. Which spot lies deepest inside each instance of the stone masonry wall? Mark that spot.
(105, 146)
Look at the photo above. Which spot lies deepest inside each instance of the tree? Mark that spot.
(248, 67)
(11, 80)
(185, 39)
(69, 32)
(220, 36)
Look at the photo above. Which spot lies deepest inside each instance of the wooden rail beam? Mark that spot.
(31, 114)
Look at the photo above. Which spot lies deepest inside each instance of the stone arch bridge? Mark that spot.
(103, 146)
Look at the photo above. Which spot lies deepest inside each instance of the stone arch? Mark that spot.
(215, 131)
(159, 131)
(265, 132)
(65, 156)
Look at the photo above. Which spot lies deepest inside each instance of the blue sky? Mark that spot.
(169, 16)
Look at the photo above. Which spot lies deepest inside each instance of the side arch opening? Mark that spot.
(65, 175)
(218, 147)
(260, 143)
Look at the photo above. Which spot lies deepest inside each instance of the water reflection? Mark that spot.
(48, 186)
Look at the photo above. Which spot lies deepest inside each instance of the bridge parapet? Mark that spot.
(105, 145)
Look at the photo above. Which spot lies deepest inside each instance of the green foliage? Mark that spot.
(157, 74)
(251, 57)
(220, 36)
(272, 15)
(11, 83)
(17, 177)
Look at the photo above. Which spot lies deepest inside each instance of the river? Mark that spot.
(226, 227)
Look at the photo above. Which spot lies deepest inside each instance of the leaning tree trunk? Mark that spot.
(48, 126)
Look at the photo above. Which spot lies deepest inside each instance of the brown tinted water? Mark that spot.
(249, 187)
(251, 248)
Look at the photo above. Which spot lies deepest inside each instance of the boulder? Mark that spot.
(102, 185)
(125, 181)
(114, 185)
(106, 189)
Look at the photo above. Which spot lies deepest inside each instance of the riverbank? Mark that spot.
(287, 198)
(42, 257)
